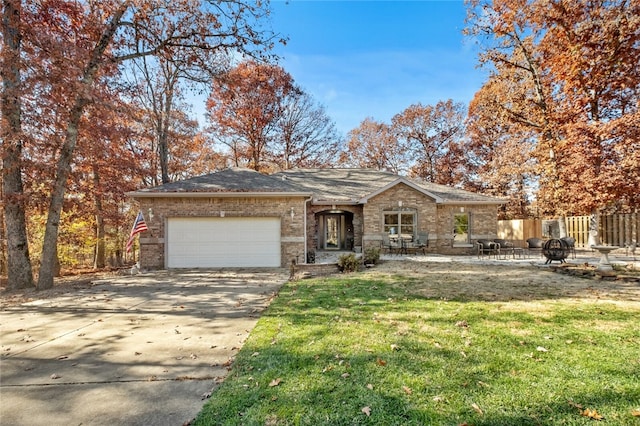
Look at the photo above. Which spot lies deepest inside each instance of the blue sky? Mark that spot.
(375, 58)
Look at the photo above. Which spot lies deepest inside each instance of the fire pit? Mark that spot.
(555, 250)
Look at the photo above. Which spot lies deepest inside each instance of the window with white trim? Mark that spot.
(400, 222)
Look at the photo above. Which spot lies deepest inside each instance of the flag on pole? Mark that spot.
(138, 226)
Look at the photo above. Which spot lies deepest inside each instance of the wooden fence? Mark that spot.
(620, 230)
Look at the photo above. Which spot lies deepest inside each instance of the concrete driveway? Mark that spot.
(141, 350)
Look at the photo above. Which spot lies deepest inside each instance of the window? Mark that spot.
(461, 228)
(400, 223)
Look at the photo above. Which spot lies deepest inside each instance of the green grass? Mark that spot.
(337, 345)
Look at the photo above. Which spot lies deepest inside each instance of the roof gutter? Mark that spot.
(471, 203)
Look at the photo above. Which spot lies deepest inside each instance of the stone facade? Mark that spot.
(158, 210)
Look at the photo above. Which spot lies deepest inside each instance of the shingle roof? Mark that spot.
(357, 185)
(339, 185)
(228, 180)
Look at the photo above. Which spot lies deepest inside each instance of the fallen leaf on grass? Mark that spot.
(366, 410)
(275, 382)
(478, 410)
(381, 362)
(592, 414)
(542, 349)
(344, 375)
(635, 413)
(407, 390)
(370, 386)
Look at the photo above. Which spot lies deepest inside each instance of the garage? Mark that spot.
(216, 242)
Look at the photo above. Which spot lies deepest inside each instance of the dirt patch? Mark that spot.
(492, 282)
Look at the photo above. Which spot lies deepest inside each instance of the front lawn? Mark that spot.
(409, 349)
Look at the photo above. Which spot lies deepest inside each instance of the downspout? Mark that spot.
(305, 228)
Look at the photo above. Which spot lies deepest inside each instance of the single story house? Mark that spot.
(242, 218)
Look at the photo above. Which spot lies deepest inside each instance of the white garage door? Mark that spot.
(223, 242)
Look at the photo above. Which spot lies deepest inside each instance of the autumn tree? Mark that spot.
(433, 134)
(572, 68)
(373, 145)
(79, 46)
(306, 135)
(266, 122)
(160, 85)
(13, 199)
(244, 108)
(499, 150)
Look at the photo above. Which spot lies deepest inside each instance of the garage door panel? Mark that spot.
(223, 242)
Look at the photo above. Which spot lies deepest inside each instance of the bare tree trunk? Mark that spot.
(3, 241)
(19, 270)
(63, 167)
(99, 259)
(163, 134)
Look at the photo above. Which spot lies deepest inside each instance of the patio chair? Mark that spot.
(388, 245)
(487, 247)
(535, 245)
(571, 245)
(422, 242)
(506, 247)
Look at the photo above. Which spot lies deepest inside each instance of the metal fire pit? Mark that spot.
(555, 250)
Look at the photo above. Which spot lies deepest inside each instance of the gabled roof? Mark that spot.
(327, 186)
(357, 186)
(338, 185)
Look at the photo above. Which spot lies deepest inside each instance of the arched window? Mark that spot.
(400, 222)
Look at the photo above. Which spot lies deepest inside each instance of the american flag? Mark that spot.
(138, 226)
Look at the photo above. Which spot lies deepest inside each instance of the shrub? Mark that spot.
(348, 263)
(371, 256)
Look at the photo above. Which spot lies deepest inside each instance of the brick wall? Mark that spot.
(390, 199)
(483, 223)
(158, 210)
(437, 220)
(313, 226)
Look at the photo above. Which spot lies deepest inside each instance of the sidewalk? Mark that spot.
(592, 257)
(142, 350)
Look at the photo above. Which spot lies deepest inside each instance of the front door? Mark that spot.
(332, 235)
